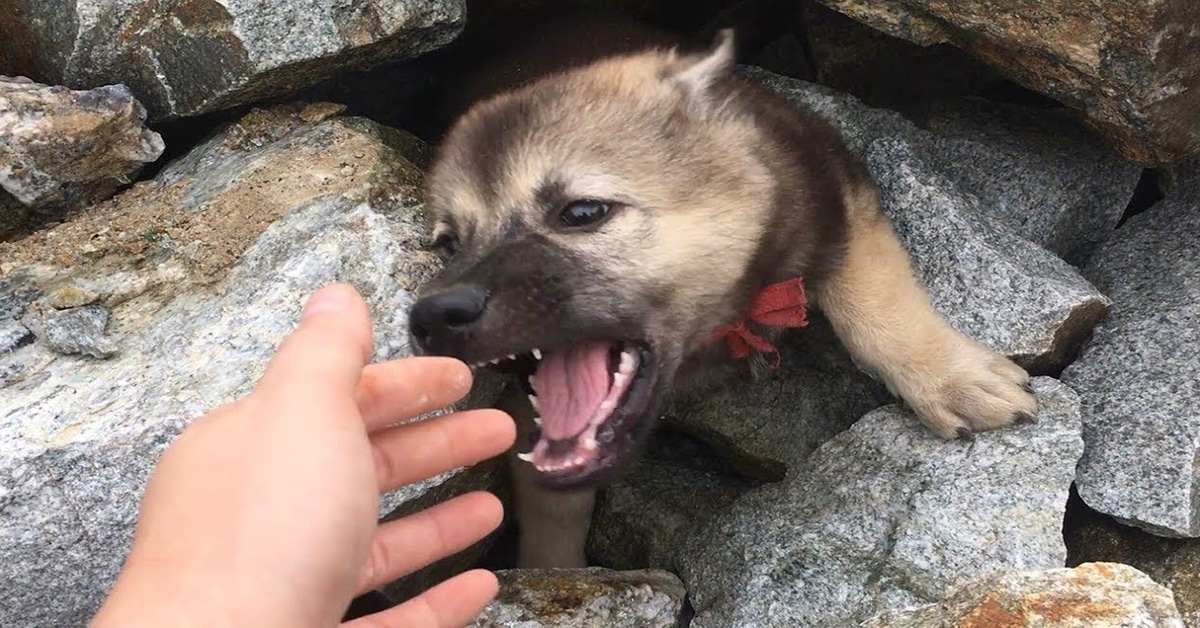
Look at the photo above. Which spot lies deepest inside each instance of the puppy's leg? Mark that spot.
(552, 525)
(879, 310)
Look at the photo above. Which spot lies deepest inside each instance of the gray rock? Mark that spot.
(186, 58)
(579, 598)
(887, 516)
(1040, 172)
(76, 331)
(1094, 594)
(764, 427)
(1139, 376)
(13, 335)
(641, 520)
(991, 283)
(15, 296)
(199, 308)
(63, 149)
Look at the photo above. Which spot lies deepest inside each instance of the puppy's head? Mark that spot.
(597, 226)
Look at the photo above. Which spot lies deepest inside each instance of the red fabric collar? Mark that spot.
(782, 304)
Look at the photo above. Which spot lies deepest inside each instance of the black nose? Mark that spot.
(437, 316)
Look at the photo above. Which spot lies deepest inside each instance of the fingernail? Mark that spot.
(328, 299)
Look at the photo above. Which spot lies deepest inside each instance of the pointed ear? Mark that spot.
(696, 73)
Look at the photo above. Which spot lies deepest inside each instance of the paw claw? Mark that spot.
(966, 388)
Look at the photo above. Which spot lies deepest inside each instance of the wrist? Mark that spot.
(165, 597)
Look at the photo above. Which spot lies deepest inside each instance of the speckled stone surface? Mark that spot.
(1140, 374)
(63, 149)
(886, 516)
(186, 58)
(1093, 594)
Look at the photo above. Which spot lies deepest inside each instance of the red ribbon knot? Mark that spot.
(782, 304)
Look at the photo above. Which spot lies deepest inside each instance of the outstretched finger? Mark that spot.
(393, 391)
(416, 451)
(326, 353)
(454, 602)
(407, 544)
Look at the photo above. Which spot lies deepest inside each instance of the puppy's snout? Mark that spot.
(436, 317)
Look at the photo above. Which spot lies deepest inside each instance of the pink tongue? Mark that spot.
(570, 384)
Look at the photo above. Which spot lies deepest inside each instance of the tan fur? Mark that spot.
(696, 210)
(885, 319)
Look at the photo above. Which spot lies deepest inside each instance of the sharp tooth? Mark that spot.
(578, 461)
(531, 383)
(537, 420)
(512, 356)
(537, 354)
(589, 444)
(533, 401)
(619, 379)
(626, 362)
(495, 360)
(607, 405)
(527, 456)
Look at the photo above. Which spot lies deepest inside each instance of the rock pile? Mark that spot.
(129, 307)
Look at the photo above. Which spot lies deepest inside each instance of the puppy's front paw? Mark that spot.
(962, 387)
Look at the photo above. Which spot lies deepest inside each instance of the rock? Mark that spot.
(204, 270)
(886, 516)
(1128, 68)
(570, 598)
(766, 426)
(1139, 376)
(187, 58)
(641, 520)
(990, 283)
(78, 330)
(63, 149)
(13, 336)
(1173, 563)
(1095, 594)
(1050, 179)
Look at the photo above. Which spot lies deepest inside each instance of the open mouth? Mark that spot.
(589, 399)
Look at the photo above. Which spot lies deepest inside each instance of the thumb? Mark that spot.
(329, 348)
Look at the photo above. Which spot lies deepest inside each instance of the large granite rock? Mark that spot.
(1140, 374)
(201, 272)
(61, 149)
(1035, 171)
(887, 516)
(1094, 594)
(1173, 563)
(1038, 171)
(1128, 67)
(186, 58)
(583, 598)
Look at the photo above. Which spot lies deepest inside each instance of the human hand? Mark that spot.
(264, 511)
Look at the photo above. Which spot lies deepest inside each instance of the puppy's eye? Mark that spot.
(446, 245)
(584, 212)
